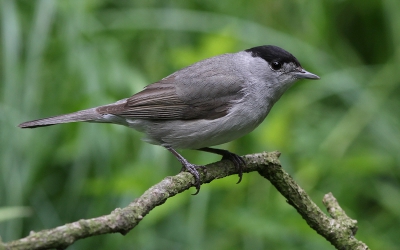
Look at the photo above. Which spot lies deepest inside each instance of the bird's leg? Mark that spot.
(188, 166)
(226, 155)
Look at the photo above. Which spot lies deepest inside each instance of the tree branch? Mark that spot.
(339, 230)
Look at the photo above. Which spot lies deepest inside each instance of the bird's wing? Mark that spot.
(207, 95)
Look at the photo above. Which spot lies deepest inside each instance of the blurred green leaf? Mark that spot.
(9, 213)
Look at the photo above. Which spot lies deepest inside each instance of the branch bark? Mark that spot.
(337, 229)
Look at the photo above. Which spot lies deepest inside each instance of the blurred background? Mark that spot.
(340, 134)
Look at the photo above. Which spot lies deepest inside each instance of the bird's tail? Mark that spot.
(87, 115)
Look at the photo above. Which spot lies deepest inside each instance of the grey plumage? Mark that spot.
(205, 104)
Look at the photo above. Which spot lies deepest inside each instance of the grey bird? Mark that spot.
(208, 103)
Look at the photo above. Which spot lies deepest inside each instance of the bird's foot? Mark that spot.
(193, 169)
(237, 160)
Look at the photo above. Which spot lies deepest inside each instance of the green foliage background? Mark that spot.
(340, 134)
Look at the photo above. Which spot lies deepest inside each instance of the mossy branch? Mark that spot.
(337, 229)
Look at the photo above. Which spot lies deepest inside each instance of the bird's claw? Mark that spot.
(192, 168)
(237, 161)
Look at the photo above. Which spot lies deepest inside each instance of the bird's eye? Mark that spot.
(275, 65)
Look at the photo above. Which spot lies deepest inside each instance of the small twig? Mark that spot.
(338, 230)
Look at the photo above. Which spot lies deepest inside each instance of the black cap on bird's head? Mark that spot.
(272, 53)
(276, 57)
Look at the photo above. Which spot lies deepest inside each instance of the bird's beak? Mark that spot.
(304, 74)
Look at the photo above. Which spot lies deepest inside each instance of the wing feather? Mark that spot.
(208, 94)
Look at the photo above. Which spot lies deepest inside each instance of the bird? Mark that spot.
(208, 103)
